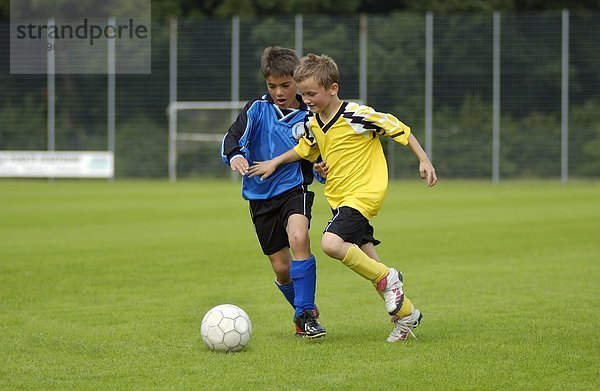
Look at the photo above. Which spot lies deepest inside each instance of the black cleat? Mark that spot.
(316, 312)
(307, 325)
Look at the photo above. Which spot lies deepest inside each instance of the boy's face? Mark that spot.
(283, 91)
(316, 97)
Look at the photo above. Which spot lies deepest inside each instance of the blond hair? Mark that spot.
(278, 61)
(322, 68)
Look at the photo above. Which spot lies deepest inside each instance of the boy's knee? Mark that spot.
(330, 247)
(298, 240)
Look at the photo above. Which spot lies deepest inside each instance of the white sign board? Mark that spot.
(56, 164)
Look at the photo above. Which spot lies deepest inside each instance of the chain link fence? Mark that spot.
(488, 95)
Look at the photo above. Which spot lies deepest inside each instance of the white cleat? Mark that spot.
(390, 289)
(404, 326)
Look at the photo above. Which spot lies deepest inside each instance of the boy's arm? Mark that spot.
(389, 125)
(266, 168)
(231, 151)
(426, 169)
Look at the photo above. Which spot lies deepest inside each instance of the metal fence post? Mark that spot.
(496, 102)
(111, 85)
(235, 70)
(51, 93)
(429, 84)
(299, 34)
(362, 77)
(235, 62)
(172, 100)
(564, 123)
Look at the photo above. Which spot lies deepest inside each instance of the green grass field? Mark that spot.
(103, 286)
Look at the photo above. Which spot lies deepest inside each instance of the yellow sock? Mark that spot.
(364, 265)
(406, 308)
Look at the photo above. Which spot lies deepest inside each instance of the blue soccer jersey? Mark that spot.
(261, 132)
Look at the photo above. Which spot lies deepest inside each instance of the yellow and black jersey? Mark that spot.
(349, 144)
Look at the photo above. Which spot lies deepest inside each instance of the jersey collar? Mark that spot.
(325, 127)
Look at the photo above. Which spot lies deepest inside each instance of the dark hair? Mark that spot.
(278, 61)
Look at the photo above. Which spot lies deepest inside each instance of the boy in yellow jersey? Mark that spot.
(347, 136)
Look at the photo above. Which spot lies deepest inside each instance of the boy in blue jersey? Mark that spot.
(280, 207)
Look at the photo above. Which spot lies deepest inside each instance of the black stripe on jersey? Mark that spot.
(307, 132)
(397, 134)
(364, 122)
(332, 120)
(231, 142)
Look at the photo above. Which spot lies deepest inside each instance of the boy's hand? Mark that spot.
(240, 165)
(265, 169)
(321, 168)
(427, 172)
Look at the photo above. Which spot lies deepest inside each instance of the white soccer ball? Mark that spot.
(226, 328)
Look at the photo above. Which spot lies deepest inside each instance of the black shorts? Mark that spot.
(350, 225)
(270, 217)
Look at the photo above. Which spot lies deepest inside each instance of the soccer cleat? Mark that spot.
(404, 326)
(390, 289)
(307, 325)
(316, 312)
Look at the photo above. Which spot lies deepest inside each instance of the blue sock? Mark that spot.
(287, 290)
(304, 276)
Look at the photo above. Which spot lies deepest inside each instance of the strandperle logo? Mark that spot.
(80, 37)
(85, 30)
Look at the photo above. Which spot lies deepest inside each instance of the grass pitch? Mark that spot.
(103, 286)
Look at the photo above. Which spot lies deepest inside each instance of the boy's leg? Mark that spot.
(407, 307)
(287, 290)
(280, 222)
(408, 317)
(273, 241)
(303, 270)
(304, 274)
(346, 230)
(369, 249)
(405, 316)
(305, 317)
(353, 257)
(281, 262)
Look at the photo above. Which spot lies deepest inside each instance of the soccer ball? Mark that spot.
(226, 328)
